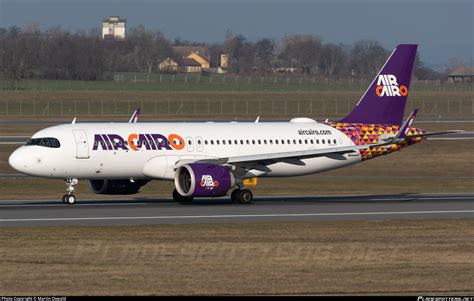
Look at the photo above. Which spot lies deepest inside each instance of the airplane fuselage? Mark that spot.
(151, 150)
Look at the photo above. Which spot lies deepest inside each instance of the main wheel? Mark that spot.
(181, 199)
(69, 199)
(63, 199)
(244, 196)
(234, 196)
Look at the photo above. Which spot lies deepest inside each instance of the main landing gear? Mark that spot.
(241, 196)
(181, 199)
(70, 198)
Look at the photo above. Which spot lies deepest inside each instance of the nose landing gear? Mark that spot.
(70, 198)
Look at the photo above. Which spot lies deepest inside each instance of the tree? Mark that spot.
(241, 54)
(367, 57)
(264, 54)
(215, 51)
(302, 52)
(454, 63)
(149, 48)
(333, 58)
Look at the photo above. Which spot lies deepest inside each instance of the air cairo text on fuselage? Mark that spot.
(137, 141)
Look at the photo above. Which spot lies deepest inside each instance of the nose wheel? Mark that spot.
(70, 198)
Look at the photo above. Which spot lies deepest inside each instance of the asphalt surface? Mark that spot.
(264, 209)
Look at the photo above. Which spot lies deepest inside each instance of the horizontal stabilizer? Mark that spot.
(435, 133)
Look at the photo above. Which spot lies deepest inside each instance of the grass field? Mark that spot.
(346, 257)
(229, 104)
(217, 82)
(428, 167)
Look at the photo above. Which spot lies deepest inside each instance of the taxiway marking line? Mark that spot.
(231, 216)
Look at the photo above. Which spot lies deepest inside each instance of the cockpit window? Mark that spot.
(46, 142)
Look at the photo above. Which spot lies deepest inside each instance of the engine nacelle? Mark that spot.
(203, 180)
(116, 186)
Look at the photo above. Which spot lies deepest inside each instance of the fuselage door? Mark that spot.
(82, 146)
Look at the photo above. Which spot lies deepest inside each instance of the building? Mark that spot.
(198, 53)
(114, 27)
(179, 64)
(189, 59)
(462, 74)
(224, 64)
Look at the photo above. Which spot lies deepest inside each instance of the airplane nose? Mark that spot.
(16, 161)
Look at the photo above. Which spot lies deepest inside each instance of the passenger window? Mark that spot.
(212, 142)
(217, 142)
(223, 142)
(276, 141)
(300, 141)
(288, 141)
(294, 141)
(271, 141)
(230, 142)
(205, 142)
(241, 141)
(264, 141)
(322, 140)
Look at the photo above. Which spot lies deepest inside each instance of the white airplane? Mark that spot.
(210, 159)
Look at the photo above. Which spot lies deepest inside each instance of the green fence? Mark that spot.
(463, 107)
(215, 82)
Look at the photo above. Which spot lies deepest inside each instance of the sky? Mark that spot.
(443, 29)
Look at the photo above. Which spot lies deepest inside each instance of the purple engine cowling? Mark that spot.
(203, 180)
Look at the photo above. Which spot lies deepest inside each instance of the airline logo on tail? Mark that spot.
(387, 85)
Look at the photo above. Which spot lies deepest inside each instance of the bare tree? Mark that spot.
(367, 57)
(302, 52)
(332, 58)
(264, 54)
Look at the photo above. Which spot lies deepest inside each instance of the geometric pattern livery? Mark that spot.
(362, 134)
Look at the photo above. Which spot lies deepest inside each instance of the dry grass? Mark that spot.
(275, 258)
(228, 104)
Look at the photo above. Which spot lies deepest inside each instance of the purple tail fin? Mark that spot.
(385, 99)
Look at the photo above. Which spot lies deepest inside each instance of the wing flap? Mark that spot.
(284, 156)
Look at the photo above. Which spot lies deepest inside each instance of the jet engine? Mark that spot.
(116, 186)
(203, 180)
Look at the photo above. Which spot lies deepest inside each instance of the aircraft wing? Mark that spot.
(293, 156)
(299, 154)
